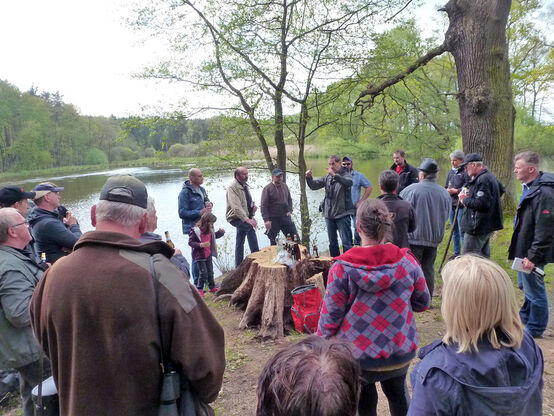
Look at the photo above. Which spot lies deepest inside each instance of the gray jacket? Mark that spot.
(338, 200)
(431, 203)
(18, 277)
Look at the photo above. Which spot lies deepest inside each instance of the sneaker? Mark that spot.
(214, 290)
(201, 292)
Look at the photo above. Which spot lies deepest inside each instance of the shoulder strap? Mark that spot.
(156, 284)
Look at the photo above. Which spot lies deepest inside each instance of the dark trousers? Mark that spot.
(394, 386)
(29, 377)
(244, 230)
(206, 269)
(478, 244)
(426, 257)
(342, 225)
(283, 224)
(357, 238)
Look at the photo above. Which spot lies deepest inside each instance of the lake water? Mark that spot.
(82, 191)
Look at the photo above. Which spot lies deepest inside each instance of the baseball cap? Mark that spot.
(45, 188)
(12, 194)
(276, 172)
(472, 157)
(347, 158)
(125, 189)
(429, 165)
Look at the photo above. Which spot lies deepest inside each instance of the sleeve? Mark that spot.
(193, 239)
(411, 219)
(335, 303)
(264, 208)
(61, 235)
(434, 394)
(344, 178)
(480, 200)
(420, 299)
(234, 208)
(544, 228)
(15, 297)
(219, 234)
(364, 181)
(315, 184)
(184, 212)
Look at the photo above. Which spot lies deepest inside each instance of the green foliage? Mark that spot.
(181, 150)
(96, 156)
(531, 134)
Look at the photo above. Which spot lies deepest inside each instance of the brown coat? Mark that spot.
(94, 314)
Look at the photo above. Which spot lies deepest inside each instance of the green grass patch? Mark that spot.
(235, 360)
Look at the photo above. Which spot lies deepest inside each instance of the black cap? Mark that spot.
(472, 157)
(12, 194)
(277, 172)
(429, 165)
(126, 189)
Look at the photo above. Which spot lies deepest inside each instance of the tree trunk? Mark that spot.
(476, 37)
(306, 222)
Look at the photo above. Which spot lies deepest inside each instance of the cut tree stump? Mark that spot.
(265, 289)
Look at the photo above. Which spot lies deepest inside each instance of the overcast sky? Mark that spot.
(83, 50)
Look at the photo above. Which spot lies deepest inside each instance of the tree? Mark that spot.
(476, 37)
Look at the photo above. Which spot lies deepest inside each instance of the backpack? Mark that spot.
(305, 309)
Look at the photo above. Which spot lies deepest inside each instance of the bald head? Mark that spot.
(195, 177)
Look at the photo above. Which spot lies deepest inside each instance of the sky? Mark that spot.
(84, 50)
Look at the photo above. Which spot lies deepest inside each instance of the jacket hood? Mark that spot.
(107, 238)
(546, 178)
(370, 267)
(38, 213)
(504, 379)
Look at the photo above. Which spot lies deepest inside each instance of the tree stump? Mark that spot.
(265, 290)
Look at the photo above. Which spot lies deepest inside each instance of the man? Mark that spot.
(276, 207)
(406, 172)
(431, 203)
(193, 202)
(457, 178)
(96, 315)
(337, 205)
(533, 238)
(240, 213)
(404, 215)
(53, 236)
(19, 274)
(358, 181)
(482, 206)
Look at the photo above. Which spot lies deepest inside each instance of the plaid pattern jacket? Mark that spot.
(370, 298)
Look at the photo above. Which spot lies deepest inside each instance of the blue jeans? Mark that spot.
(534, 312)
(195, 272)
(244, 230)
(457, 235)
(342, 225)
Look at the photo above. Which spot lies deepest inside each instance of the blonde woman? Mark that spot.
(485, 364)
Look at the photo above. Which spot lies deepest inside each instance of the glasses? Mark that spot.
(346, 164)
(21, 223)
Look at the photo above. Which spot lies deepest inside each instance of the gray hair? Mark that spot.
(430, 176)
(457, 154)
(6, 221)
(126, 215)
(530, 158)
(150, 207)
(388, 180)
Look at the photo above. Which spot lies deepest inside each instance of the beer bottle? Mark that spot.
(168, 240)
(43, 256)
(315, 250)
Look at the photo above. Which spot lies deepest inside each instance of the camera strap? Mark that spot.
(156, 284)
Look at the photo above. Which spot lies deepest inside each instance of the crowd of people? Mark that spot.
(109, 311)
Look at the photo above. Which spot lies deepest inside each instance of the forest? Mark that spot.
(419, 114)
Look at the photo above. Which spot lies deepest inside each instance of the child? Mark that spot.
(202, 240)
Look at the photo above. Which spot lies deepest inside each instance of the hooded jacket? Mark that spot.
(51, 234)
(370, 298)
(190, 203)
(534, 227)
(408, 176)
(338, 199)
(505, 382)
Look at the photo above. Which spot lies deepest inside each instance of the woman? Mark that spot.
(371, 294)
(485, 364)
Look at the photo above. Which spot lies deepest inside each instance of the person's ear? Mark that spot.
(143, 223)
(93, 215)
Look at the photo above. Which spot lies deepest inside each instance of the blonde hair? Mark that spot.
(479, 302)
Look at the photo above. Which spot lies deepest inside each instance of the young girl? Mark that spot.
(202, 240)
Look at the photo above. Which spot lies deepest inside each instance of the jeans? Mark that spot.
(283, 224)
(534, 312)
(357, 238)
(426, 257)
(206, 268)
(457, 235)
(244, 230)
(478, 244)
(342, 225)
(393, 383)
(195, 272)
(29, 377)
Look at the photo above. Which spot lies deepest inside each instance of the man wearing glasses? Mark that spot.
(19, 274)
(53, 236)
(359, 181)
(482, 206)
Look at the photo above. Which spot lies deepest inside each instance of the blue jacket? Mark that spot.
(489, 382)
(51, 235)
(190, 204)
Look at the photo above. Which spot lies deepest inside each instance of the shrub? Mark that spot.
(96, 157)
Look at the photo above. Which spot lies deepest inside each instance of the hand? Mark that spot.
(452, 191)
(267, 225)
(330, 171)
(209, 206)
(461, 197)
(252, 222)
(69, 219)
(177, 251)
(221, 231)
(528, 264)
(309, 173)
(358, 203)
(254, 209)
(287, 214)
(205, 244)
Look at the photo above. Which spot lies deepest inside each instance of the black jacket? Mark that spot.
(404, 218)
(457, 178)
(408, 176)
(534, 227)
(483, 208)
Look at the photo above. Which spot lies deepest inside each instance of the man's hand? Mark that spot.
(254, 209)
(309, 173)
(252, 222)
(287, 214)
(461, 197)
(177, 251)
(528, 264)
(267, 225)
(452, 191)
(69, 219)
(330, 171)
(205, 244)
(221, 231)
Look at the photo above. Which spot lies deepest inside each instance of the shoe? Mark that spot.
(201, 292)
(214, 290)
(535, 335)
